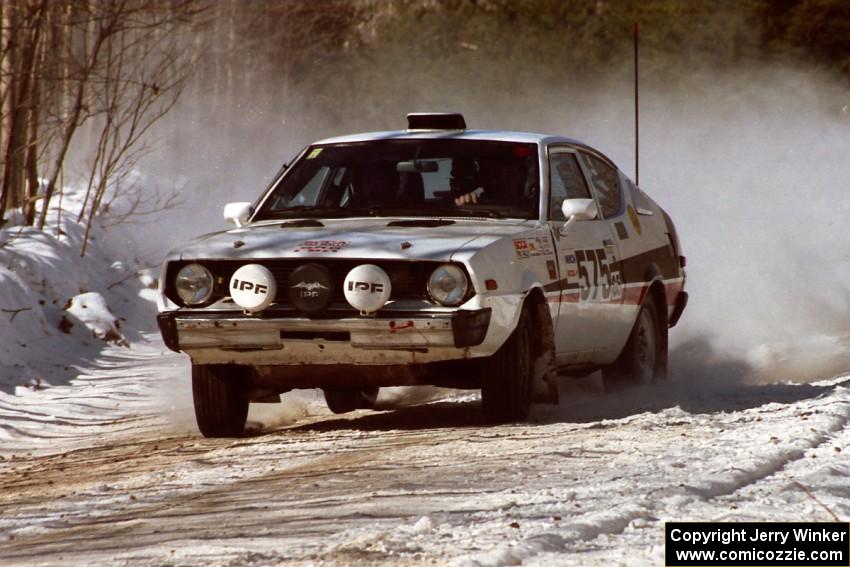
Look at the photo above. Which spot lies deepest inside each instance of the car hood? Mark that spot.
(378, 238)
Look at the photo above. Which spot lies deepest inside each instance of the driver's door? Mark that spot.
(587, 254)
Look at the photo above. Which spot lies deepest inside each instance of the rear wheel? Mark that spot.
(221, 406)
(344, 401)
(507, 376)
(644, 358)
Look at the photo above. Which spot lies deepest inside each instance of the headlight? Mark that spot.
(447, 285)
(194, 284)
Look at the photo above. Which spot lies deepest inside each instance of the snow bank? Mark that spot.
(91, 310)
(58, 311)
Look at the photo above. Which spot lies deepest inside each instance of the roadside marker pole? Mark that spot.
(637, 131)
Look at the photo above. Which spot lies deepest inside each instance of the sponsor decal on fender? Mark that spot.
(521, 248)
(535, 246)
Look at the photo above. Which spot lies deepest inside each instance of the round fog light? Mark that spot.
(253, 287)
(367, 288)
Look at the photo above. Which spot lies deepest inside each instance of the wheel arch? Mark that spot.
(625, 365)
(536, 304)
(657, 292)
(545, 384)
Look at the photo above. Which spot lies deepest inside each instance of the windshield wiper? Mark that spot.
(465, 212)
(427, 211)
(307, 211)
(419, 223)
(380, 210)
(301, 223)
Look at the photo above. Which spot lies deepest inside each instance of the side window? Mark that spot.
(606, 182)
(566, 182)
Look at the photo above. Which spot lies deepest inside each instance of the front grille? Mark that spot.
(409, 279)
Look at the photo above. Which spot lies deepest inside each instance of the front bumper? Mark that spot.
(231, 332)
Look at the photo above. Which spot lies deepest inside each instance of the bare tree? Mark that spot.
(143, 74)
(104, 70)
(21, 56)
(133, 72)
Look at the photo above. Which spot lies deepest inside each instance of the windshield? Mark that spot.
(409, 177)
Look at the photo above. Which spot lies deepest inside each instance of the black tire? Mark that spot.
(644, 358)
(507, 376)
(221, 406)
(344, 401)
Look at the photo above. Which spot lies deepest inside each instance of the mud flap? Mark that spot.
(545, 385)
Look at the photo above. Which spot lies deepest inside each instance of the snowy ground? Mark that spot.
(115, 472)
(101, 461)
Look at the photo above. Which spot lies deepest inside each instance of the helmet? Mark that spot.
(464, 173)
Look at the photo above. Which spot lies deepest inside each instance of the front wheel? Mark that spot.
(221, 407)
(644, 358)
(344, 401)
(508, 375)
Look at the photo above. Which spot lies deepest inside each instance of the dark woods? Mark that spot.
(83, 82)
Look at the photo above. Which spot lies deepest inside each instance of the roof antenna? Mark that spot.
(637, 115)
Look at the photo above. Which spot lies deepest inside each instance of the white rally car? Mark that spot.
(434, 255)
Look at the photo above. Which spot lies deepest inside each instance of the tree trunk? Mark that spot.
(38, 68)
(4, 11)
(8, 196)
(31, 165)
(73, 122)
(67, 134)
(17, 148)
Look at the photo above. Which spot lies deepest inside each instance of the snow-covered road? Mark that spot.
(588, 482)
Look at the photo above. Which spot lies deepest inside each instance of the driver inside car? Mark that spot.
(495, 183)
(464, 179)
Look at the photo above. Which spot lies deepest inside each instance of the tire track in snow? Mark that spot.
(187, 514)
(795, 447)
(124, 395)
(683, 501)
(416, 485)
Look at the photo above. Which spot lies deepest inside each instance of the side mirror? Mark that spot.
(579, 209)
(576, 210)
(238, 212)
